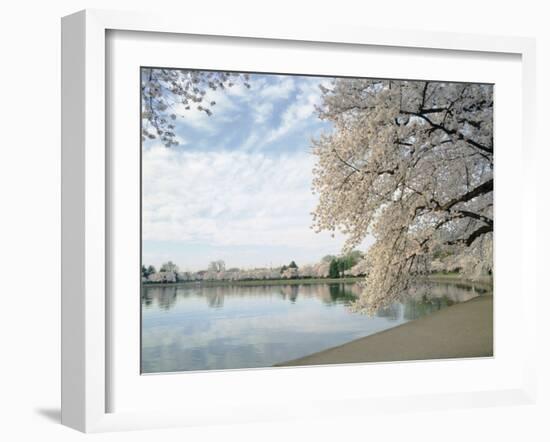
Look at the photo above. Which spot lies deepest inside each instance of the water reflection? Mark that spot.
(165, 297)
(198, 328)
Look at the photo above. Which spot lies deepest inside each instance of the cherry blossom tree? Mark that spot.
(410, 163)
(163, 276)
(359, 269)
(321, 269)
(167, 93)
(290, 273)
(307, 271)
(217, 266)
(169, 267)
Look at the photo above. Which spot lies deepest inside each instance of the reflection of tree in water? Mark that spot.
(165, 297)
(146, 297)
(341, 292)
(329, 294)
(215, 299)
(391, 312)
(420, 300)
(417, 308)
(290, 292)
(457, 292)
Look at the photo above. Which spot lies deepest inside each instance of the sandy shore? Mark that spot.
(460, 331)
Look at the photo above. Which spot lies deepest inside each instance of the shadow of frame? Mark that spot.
(51, 414)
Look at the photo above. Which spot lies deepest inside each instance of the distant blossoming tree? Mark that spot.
(169, 267)
(217, 266)
(410, 163)
(359, 269)
(167, 93)
(307, 271)
(163, 276)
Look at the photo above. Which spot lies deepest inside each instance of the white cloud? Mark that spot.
(262, 111)
(229, 198)
(263, 94)
(259, 99)
(223, 111)
(279, 90)
(299, 111)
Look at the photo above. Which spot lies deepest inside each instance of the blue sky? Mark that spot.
(238, 186)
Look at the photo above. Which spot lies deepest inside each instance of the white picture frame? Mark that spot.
(86, 206)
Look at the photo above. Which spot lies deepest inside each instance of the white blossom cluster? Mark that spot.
(410, 163)
(165, 91)
(359, 269)
(162, 277)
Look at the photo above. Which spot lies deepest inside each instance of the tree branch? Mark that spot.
(460, 135)
(482, 189)
(473, 236)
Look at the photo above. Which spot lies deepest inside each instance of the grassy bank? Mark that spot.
(257, 282)
(460, 331)
(438, 277)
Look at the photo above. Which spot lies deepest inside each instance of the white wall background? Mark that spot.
(30, 219)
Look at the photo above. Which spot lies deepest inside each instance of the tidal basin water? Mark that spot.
(226, 327)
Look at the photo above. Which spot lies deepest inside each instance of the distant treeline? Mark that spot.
(330, 266)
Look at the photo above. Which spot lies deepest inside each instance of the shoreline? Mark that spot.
(462, 330)
(257, 282)
(453, 278)
(456, 278)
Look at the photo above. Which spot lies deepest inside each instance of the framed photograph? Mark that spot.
(258, 216)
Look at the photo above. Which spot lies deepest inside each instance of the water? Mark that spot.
(202, 328)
